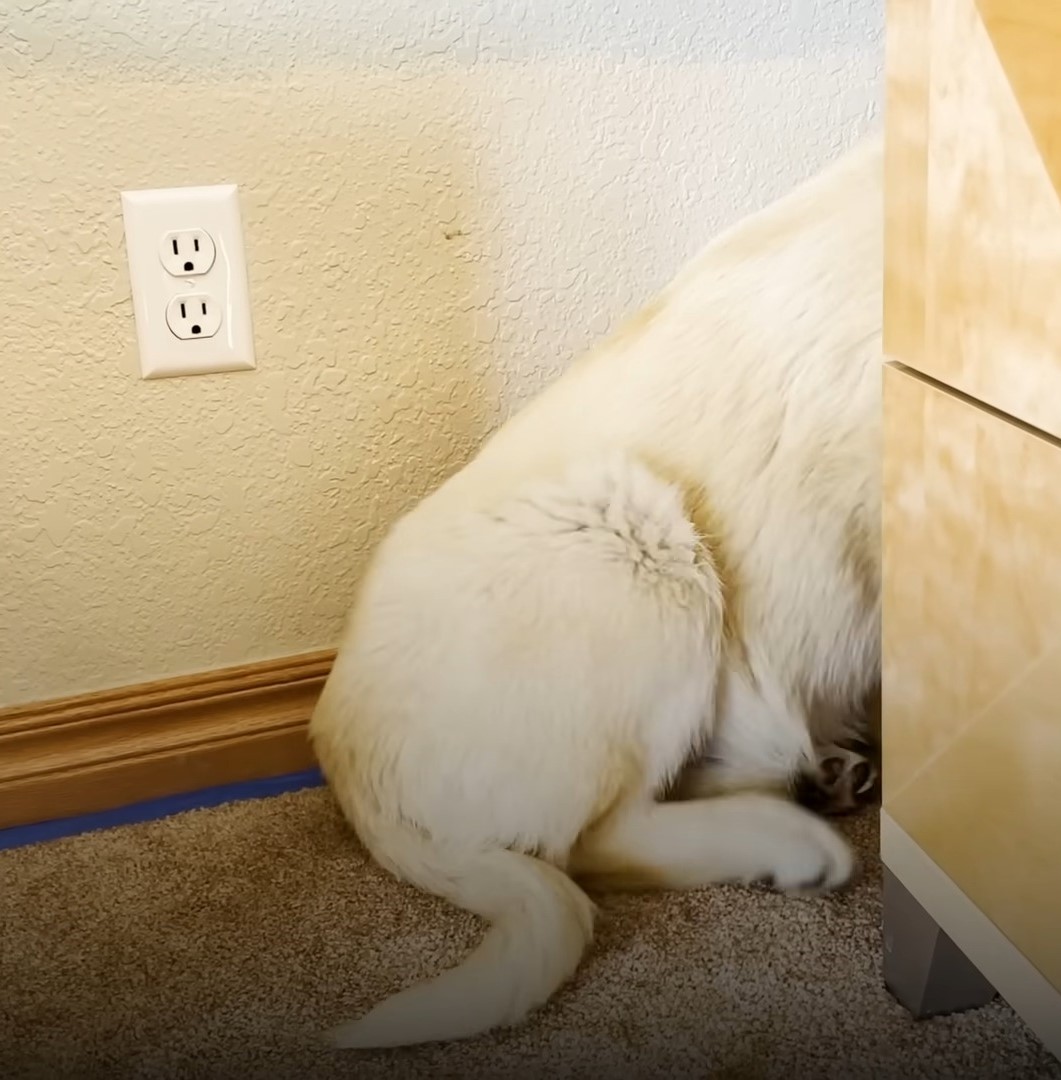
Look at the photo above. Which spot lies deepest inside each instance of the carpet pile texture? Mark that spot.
(220, 943)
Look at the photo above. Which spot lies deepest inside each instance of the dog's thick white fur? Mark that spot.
(674, 549)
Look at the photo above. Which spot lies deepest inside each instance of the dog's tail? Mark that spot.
(541, 923)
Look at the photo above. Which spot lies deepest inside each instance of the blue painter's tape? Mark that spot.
(152, 809)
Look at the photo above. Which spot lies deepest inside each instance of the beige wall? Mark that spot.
(441, 205)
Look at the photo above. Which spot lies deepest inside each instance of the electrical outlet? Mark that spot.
(193, 315)
(185, 252)
(188, 253)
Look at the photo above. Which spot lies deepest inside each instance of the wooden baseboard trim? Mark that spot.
(99, 751)
(1012, 974)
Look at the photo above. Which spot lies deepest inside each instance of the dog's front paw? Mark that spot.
(789, 848)
(811, 857)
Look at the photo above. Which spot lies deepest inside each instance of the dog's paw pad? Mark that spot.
(842, 781)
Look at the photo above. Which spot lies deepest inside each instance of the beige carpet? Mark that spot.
(220, 942)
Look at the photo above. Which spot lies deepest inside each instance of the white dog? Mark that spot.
(674, 550)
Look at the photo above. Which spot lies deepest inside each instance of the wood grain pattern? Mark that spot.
(98, 751)
(992, 216)
(905, 178)
(1026, 35)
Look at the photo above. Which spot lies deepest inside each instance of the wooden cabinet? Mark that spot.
(971, 721)
(974, 199)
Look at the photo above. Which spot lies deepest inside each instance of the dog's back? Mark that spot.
(753, 384)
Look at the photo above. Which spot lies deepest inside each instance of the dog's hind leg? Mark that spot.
(760, 743)
(738, 838)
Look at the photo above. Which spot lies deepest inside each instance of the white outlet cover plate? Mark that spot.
(149, 216)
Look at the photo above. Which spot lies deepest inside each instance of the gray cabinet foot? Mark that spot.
(925, 971)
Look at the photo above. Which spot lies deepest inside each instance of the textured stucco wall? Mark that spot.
(442, 203)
